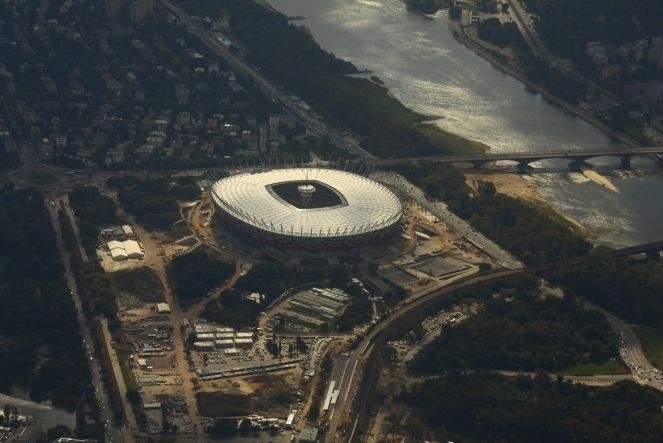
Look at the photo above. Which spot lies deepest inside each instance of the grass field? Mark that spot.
(652, 344)
(607, 368)
(127, 374)
(130, 382)
(449, 143)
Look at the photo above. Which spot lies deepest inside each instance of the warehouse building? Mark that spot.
(163, 308)
(123, 250)
(207, 346)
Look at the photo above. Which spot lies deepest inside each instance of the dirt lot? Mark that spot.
(267, 395)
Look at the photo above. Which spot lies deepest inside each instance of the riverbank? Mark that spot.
(516, 185)
(477, 47)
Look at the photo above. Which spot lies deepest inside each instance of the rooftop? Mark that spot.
(349, 204)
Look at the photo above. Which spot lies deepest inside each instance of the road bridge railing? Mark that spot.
(525, 158)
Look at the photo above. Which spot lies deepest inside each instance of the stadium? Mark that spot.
(307, 208)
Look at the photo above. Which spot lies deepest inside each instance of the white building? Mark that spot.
(117, 251)
(224, 344)
(163, 308)
(243, 342)
(126, 230)
(204, 346)
(123, 250)
(133, 249)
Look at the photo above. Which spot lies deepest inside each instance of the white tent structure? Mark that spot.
(133, 249)
(117, 251)
(123, 250)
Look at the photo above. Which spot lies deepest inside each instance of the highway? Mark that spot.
(630, 351)
(112, 432)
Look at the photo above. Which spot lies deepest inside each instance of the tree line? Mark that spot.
(268, 278)
(272, 279)
(502, 34)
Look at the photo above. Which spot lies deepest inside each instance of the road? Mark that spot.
(527, 157)
(64, 205)
(113, 433)
(369, 349)
(153, 259)
(630, 350)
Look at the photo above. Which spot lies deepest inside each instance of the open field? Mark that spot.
(607, 368)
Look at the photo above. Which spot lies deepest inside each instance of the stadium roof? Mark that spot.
(364, 205)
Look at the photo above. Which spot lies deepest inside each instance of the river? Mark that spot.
(429, 71)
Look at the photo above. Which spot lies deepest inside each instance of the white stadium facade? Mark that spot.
(308, 208)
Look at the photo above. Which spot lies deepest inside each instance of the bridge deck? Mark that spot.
(527, 157)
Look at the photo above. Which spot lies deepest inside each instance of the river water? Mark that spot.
(430, 72)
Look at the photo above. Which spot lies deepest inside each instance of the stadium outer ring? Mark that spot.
(370, 212)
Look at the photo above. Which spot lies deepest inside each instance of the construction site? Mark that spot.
(185, 369)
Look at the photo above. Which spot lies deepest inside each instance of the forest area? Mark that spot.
(196, 273)
(153, 201)
(491, 407)
(630, 288)
(522, 331)
(40, 345)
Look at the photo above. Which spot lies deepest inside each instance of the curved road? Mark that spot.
(368, 352)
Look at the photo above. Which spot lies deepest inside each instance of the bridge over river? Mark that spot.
(576, 158)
